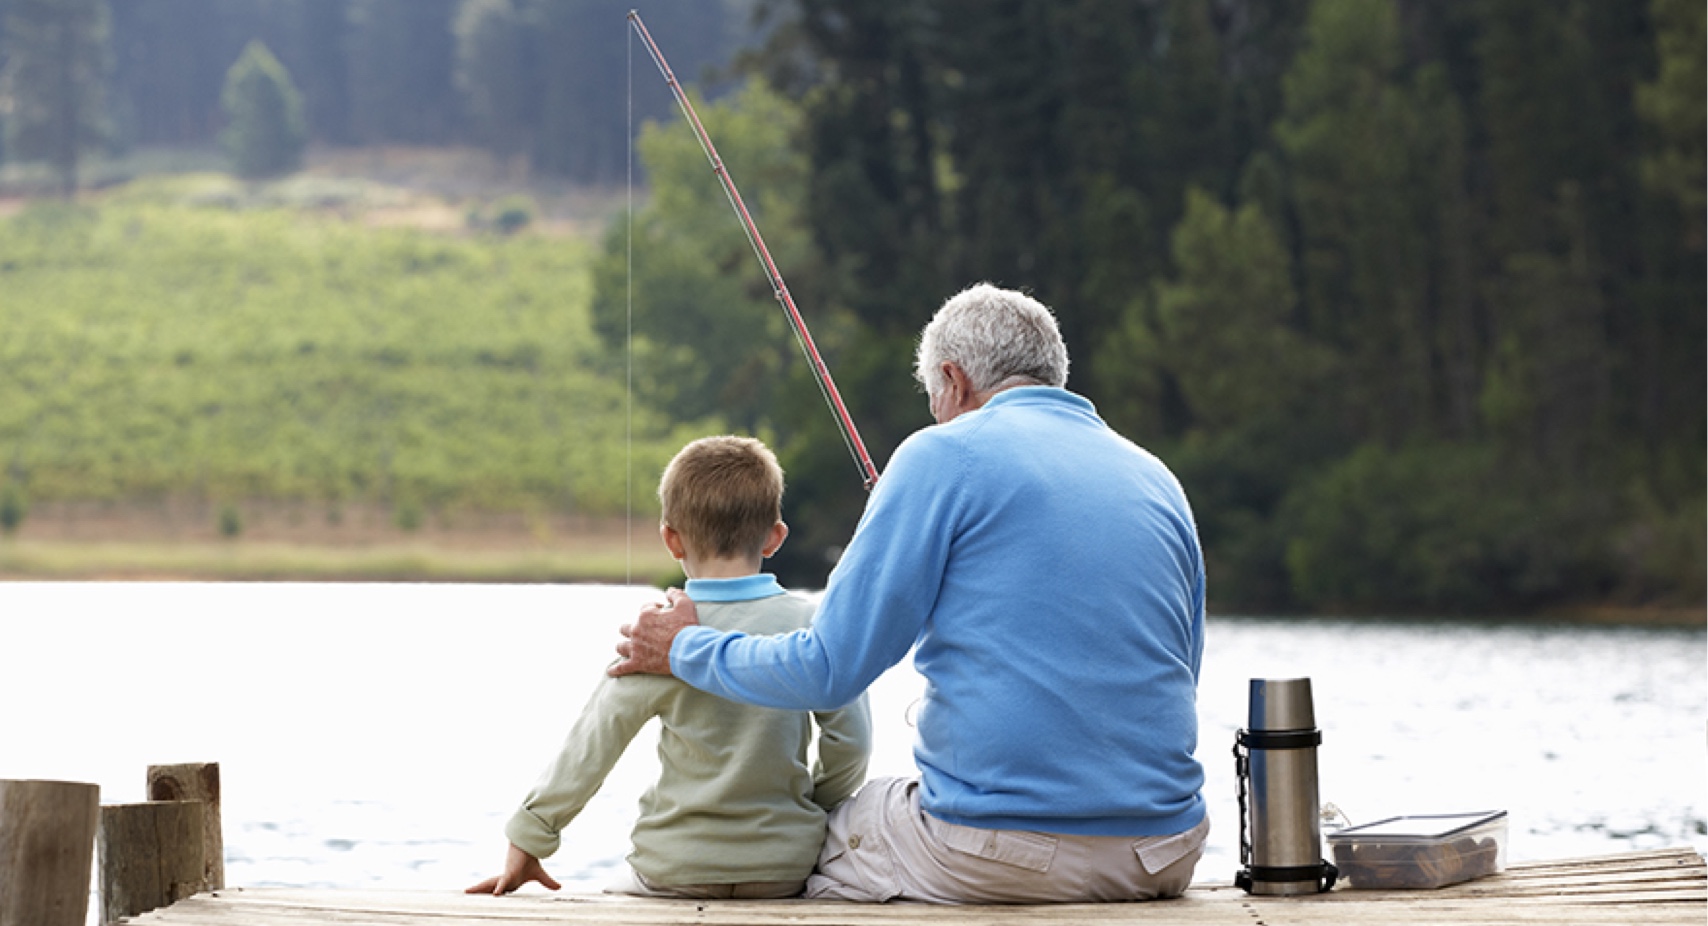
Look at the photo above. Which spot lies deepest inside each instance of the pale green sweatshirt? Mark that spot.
(736, 800)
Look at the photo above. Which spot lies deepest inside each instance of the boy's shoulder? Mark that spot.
(784, 613)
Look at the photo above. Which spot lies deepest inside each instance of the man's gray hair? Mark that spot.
(1000, 337)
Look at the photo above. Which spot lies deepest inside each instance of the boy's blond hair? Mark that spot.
(723, 494)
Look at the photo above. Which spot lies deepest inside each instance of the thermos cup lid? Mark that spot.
(1282, 704)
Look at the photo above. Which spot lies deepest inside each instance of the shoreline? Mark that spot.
(181, 540)
(1660, 617)
(285, 543)
(28, 560)
(603, 556)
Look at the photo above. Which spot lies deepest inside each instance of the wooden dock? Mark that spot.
(1635, 889)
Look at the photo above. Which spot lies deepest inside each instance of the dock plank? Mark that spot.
(1664, 888)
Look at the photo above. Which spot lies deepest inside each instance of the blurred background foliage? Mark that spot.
(156, 349)
(1409, 293)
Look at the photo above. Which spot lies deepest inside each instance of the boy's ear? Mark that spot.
(672, 540)
(774, 539)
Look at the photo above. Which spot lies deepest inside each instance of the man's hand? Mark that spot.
(519, 869)
(646, 644)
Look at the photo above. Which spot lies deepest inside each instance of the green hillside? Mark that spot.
(182, 340)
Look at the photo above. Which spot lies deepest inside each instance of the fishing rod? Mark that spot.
(826, 385)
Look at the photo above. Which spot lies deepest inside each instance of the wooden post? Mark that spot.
(47, 841)
(196, 781)
(151, 856)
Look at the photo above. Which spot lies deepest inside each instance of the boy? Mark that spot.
(736, 811)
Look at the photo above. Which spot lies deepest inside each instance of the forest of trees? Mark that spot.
(540, 79)
(1409, 293)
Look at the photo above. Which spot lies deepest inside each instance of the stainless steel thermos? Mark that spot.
(1276, 772)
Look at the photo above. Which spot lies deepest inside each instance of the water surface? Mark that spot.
(377, 736)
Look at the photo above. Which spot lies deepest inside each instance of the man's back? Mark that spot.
(1064, 644)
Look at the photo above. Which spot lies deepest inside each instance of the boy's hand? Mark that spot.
(646, 644)
(519, 869)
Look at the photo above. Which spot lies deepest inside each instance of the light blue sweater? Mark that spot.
(1048, 574)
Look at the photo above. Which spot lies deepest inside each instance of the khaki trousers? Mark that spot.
(882, 846)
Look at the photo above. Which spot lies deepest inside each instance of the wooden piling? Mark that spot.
(151, 856)
(196, 781)
(47, 842)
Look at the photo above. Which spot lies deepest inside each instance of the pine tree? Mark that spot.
(401, 57)
(1665, 323)
(1363, 140)
(56, 62)
(1672, 107)
(495, 75)
(266, 134)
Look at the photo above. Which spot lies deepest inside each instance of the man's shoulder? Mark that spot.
(930, 448)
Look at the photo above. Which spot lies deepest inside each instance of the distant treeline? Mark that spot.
(1410, 294)
(544, 79)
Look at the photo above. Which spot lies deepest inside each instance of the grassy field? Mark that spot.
(194, 343)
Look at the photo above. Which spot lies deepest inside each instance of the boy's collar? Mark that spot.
(745, 588)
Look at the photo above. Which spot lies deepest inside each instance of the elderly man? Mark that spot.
(1047, 574)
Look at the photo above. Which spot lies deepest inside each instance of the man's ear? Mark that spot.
(774, 539)
(957, 396)
(955, 378)
(672, 540)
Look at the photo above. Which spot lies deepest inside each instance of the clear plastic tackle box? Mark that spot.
(1426, 851)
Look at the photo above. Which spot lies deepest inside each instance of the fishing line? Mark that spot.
(629, 344)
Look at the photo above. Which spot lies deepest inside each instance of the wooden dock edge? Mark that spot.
(1664, 887)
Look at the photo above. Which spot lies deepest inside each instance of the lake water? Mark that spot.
(378, 736)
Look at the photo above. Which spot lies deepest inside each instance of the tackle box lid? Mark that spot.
(1420, 827)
